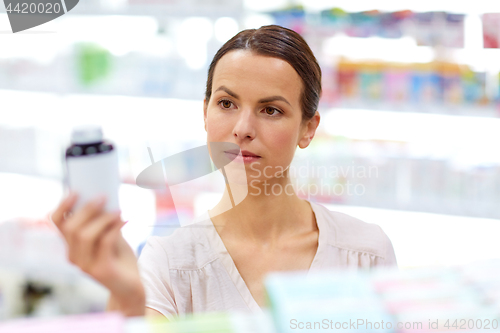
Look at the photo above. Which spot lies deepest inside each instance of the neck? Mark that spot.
(264, 214)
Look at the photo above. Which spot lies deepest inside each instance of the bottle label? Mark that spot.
(93, 175)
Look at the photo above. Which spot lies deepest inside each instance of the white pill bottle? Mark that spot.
(92, 167)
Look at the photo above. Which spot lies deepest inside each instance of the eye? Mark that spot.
(272, 111)
(225, 103)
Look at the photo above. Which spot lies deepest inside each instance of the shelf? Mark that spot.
(444, 110)
(459, 7)
(168, 9)
(405, 50)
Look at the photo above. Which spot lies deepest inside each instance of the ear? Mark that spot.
(308, 129)
(205, 106)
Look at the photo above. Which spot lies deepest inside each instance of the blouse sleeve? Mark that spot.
(154, 270)
(390, 256)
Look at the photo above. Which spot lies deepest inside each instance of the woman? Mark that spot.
(262, 94)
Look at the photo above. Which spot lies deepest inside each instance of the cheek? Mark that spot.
(216, 127)
(283, 143)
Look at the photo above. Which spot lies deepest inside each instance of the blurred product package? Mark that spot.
(491, 30)
(388, 300)
(424, 299)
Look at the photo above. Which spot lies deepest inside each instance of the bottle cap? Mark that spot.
(86, 134)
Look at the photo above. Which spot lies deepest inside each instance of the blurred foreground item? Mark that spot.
(465, 298)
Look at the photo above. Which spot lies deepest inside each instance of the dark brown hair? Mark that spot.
(282, 43)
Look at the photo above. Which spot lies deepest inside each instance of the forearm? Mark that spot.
(130, 307)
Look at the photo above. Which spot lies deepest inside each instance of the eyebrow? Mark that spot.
(263, 100)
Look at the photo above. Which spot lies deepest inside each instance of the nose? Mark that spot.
(244, 127)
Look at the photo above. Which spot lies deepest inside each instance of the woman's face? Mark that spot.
(255, 104)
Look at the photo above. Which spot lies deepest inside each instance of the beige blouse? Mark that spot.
(191, 270)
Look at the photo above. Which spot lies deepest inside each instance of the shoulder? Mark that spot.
(350, 233)
(187, 248)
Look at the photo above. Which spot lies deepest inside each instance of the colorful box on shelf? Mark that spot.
(428, 28)
(328, 300)
(491, 30)
(438, 83)
(388, 300)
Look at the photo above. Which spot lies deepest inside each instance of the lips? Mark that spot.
(244, 153)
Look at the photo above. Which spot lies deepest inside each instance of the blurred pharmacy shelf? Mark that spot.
(478, 6)
(167, 126)
(405, 50)
(114, 322)
(33, 254)
(404, 161)
(409, 161)
(171, 8)
(381, 300)
(426, 57)
(416, 300)
(34, 198)
(425, 239)
(427, 246)
(436, 183)
(212, 9)
(166, 54)
(406, 229)
(156, 52)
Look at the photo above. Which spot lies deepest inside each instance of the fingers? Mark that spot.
(85, 246)
(72, 227)
(67, 215)
(64, 207)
